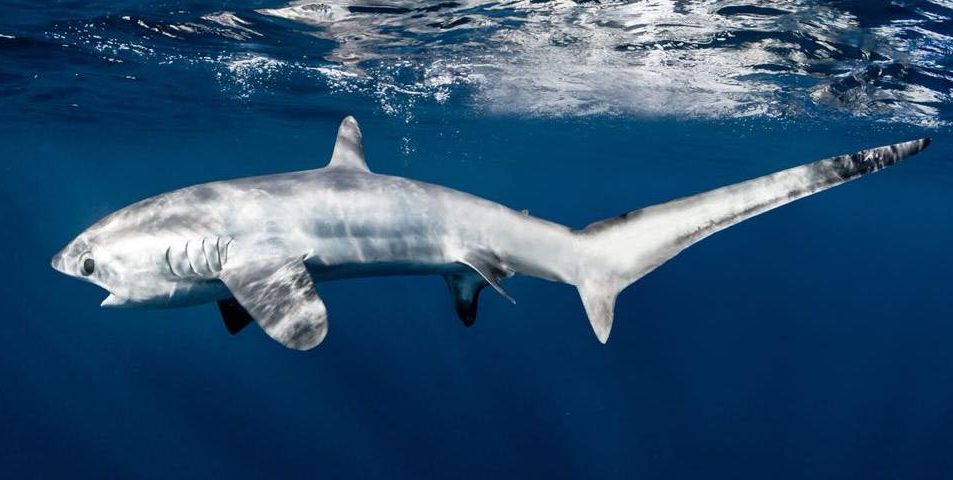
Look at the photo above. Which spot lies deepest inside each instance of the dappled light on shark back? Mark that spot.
(257, 245)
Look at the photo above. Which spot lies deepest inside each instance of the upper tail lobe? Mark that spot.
(622, 250)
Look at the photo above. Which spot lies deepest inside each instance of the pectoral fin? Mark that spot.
(280, 296)
(235, 316)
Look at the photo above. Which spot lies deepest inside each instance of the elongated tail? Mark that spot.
(622, 250)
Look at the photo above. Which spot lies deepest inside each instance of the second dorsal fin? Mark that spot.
(349, 147)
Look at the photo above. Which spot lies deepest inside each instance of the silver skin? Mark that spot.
(252, 239)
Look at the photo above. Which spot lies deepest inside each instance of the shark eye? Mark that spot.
(89, 266)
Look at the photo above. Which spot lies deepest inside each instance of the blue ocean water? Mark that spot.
(810, 342)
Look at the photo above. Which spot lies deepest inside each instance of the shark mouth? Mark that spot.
(114, 301)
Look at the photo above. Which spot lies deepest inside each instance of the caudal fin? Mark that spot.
(599, 302)
(626, 248)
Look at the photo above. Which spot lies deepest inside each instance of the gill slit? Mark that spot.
(205, 256)
(218, 250)
(168, 261)
(189, 258)
(227, 244)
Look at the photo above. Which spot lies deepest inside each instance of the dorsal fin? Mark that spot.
(349, 147)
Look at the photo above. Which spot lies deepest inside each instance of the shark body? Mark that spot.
(257, 245)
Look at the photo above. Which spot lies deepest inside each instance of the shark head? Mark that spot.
(125, 255)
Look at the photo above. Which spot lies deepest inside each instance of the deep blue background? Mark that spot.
(811, 342)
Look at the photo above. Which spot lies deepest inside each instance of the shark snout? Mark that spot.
(58, 262)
